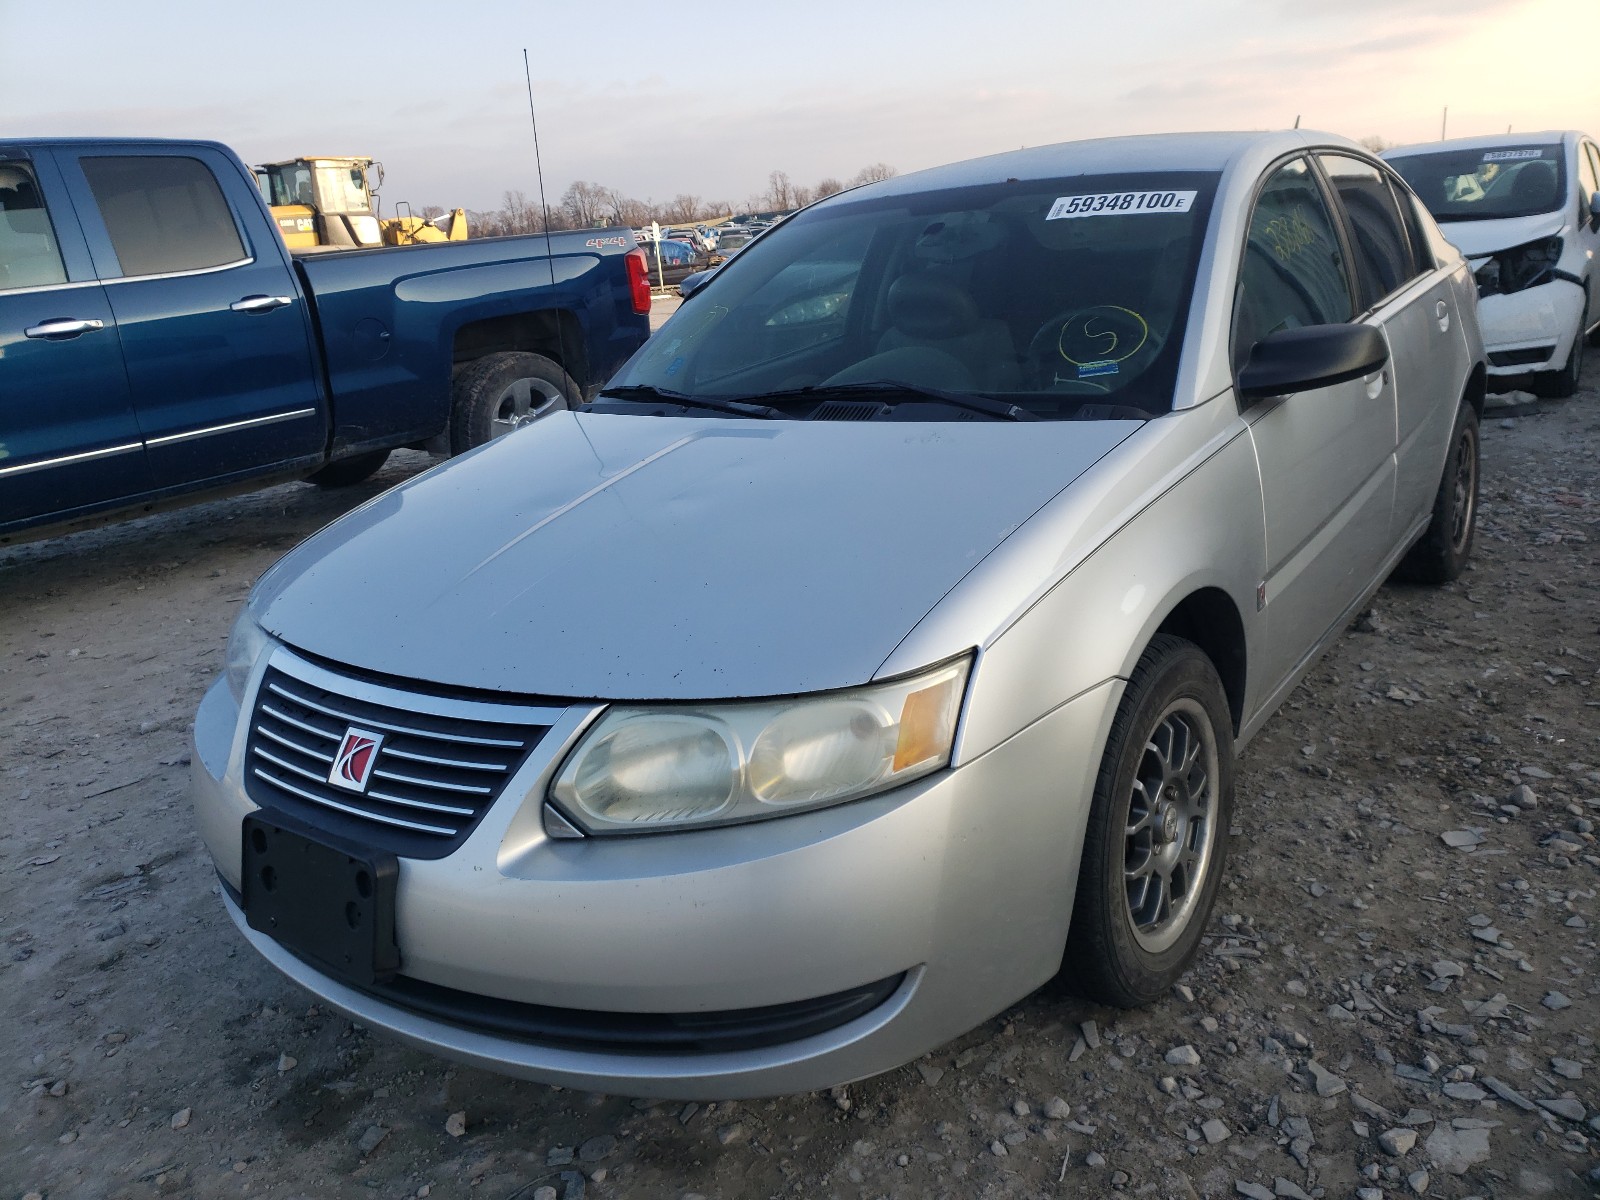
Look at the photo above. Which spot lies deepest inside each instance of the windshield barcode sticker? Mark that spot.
(1118, 204)
(1511, 155)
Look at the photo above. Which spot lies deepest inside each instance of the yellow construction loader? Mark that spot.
(329, 204)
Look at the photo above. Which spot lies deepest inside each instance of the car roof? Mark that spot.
(1099, 156)
(1544, 137)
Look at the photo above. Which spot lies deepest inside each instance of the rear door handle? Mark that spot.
(259, 304)
(62, 327)
(1441, 310)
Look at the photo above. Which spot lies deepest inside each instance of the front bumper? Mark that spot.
(1540, 321)
(962, 883)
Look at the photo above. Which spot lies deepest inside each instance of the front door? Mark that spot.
(1326, 456)
(68, 438)
(218, 346)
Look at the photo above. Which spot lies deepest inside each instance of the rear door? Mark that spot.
(1326, 456)
(217, 342)
(69, 440)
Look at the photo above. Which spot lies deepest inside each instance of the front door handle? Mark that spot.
(260, 304)
(1441, 311)
(62, 327)
(1375, 384)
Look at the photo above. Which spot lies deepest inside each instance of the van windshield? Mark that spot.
(1046, 295)
(1489, 183)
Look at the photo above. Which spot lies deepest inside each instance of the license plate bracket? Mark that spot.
(326, 900)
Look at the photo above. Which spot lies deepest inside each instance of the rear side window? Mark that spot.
(29, 256)
(1293, 273)
(163, 213)
(1377, 232)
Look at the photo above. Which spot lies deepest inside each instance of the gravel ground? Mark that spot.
(1398, 996)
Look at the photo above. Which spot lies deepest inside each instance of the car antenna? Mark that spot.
(544, 209)
(1297, 120)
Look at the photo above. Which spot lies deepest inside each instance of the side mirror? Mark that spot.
(1594, 205)
(1318, 356)
(693, 283)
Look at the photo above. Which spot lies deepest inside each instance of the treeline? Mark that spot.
(587, 205)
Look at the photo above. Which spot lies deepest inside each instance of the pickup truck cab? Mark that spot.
(159, 344)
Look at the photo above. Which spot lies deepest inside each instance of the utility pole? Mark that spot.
(1444, 121)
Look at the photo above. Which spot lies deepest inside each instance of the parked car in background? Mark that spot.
(876, 646)
(158, 343)
(1525, 210)
(669, 261)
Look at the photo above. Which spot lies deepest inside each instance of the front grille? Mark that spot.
(434, 778)
(1521, 358)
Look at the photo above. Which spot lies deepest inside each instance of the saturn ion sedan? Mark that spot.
(876, 646)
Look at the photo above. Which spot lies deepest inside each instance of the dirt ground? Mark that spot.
(1399, 994)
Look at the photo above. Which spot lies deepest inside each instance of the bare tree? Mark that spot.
(780, 190)
(803, 196)
(583, 205)
(874, 173)
(1376, 144)
(683, 208)
(429, 211)
(828, 187)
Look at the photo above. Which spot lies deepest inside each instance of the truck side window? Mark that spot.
(164, 214)
(29, 256)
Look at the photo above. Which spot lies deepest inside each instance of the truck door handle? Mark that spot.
(62, 327)
(260, 304)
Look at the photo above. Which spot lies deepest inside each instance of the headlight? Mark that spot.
(1518, 268)
(246, 644)
(671, 767)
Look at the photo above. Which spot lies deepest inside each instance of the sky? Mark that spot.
(658, 100)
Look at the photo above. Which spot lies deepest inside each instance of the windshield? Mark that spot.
(342, 188)
(1047, 294)
(1487, 183)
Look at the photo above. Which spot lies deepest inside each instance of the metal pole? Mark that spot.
(1444, 121)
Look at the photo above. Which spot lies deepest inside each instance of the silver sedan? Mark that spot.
(791, 710)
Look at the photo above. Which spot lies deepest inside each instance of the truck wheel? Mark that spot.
(1443, 550)
(349, 470)
(1158, 827)
(501, 392)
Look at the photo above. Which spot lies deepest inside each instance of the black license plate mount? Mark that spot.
(327, 901)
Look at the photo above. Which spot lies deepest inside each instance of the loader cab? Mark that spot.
(323, 203)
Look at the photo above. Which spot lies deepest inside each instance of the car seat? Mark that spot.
(933, 313)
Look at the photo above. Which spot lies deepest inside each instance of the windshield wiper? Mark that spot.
(891, 393)
(737, 407)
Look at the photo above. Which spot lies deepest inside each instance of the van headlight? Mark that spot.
(677, 766)
(247, 642)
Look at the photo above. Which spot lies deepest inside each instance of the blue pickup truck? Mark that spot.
(158, 344)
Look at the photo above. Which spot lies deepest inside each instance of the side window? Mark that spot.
(163, 213)
(1293, 273)
(1589, 177)
(29, 256)
(1377, 230)
(1415, 216)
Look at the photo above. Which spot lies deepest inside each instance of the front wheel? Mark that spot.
(502, 392)
(1558, 385)
(1442, 552)
(1158, 826)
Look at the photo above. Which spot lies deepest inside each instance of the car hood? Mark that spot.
(1478, 239)
(634, 557)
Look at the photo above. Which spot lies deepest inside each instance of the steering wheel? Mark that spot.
(1086, 349)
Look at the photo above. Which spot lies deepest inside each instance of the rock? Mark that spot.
(1168, 1084)
(1508, 1093)
(1057, 1109)
(58, 1089)
(998, 1148)
(287, 1063)
(1215, 1131)
(1019, 1108)
(1288, 1188)
(1457, 1150)
(1366, 1193)
(1523, 797)
(1555, 1001)
(930, 1073)
(1562, 1106)
(1094, 1159)
(1295, 987)
(456, 1124)
(1460, 839)
(1564, 1067)
(1253, 1190)
(181, 1118)
(1091, 1034)
(728, 1135)
(372, 1138)
(597, 1148)
(1397, 1142)
(558, 1156)
(1487, 933)
(1183, 1056)
(1417, 1181)
(1339, 1013)
(1470, 1092)
(1328, 1084)
(841, 1098)
(544, 1193)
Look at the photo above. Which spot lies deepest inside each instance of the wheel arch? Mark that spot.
(1209, 618)
(554, 333)
(1477, 390)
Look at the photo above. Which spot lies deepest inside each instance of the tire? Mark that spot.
(1558, 385)
(499, 393)
(349, 471)
(1441, 554)
(1126, 947)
